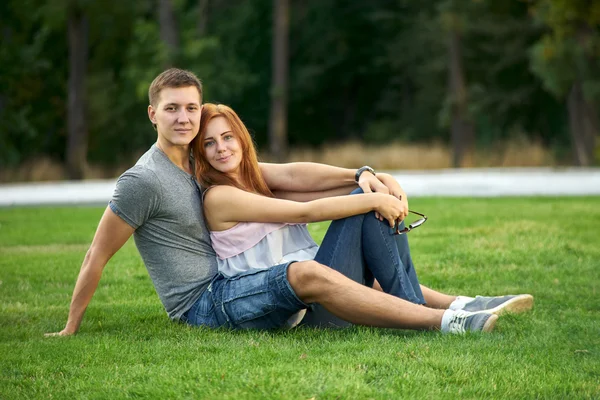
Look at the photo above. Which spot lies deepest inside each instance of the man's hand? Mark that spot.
(392, 185)
(384, 183)
(64, 332)
(369, 183)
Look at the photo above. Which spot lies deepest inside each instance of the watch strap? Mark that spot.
(361, 170)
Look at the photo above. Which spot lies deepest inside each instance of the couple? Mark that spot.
(268, 269)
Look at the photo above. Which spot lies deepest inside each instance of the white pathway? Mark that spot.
(467, 182)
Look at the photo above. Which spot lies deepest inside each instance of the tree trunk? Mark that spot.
(279, 83)
(168, 30)
(583, 124)
(202, 20)
(462, 131)
(583, 119)
(77, 128)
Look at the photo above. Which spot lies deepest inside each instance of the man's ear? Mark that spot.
(152, 114)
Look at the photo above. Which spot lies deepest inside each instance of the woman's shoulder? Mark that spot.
(219, 190)
(224, 195)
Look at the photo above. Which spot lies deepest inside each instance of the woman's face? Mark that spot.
(221, 146)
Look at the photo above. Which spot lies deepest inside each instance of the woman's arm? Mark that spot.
(226, 205)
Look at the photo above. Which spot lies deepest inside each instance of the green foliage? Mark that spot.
(569, 50)
(127, 347)
(374, 71)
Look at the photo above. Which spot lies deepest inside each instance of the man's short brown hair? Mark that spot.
(172, 78)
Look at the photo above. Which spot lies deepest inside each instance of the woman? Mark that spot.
(250, 227)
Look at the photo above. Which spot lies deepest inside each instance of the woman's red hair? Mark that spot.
(251, 179)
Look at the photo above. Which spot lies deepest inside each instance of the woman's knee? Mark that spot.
(307, 278)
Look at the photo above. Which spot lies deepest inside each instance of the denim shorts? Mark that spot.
(258, 299)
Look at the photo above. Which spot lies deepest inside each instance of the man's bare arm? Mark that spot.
(309, 181)
(305, 176)
(111, 235)
(310, 196)
(313, 177)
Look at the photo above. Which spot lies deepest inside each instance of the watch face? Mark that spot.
(361, 170)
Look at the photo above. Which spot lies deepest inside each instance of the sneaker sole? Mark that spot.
(519, 304)
(490, 323)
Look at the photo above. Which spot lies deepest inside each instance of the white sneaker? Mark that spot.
(464, 321)
(495, 305)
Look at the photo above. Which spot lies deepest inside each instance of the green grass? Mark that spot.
(128, 348)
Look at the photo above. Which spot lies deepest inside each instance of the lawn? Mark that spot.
(128, 348)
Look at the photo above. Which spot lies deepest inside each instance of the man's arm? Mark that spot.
(111, 235)
(313, 177)
(305, 176)
(309, 196)
(305, 181)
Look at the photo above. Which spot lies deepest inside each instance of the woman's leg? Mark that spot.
(316, 283)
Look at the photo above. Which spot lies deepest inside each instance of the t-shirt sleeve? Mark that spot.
(137, 196)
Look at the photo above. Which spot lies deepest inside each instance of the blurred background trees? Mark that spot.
(74, 73)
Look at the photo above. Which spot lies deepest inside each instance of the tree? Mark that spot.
(462, 128)
(169, 33)
(202, 22)
(77, 125)
(279, 85)
(566, 59)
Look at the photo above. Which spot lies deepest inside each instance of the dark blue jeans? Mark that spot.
(362, 248)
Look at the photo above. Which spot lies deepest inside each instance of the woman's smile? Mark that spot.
(224, 159)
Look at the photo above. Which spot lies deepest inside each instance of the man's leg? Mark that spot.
(361, 247)
(341, 250)
(435, 299)
(389, 263)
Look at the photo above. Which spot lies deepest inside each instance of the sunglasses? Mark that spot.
(410, 227)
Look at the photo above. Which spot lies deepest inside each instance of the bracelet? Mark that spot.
(361, 170)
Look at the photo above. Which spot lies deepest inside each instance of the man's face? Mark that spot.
(176, 116)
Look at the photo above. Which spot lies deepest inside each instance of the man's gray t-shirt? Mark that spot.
(164, 205)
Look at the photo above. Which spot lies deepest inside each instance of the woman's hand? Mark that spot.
(386, 184)
(389, 208)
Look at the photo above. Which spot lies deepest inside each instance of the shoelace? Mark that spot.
(458, 321)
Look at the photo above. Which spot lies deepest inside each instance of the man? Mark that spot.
(159, 202)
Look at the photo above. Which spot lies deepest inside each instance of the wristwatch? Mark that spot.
(361, 170)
